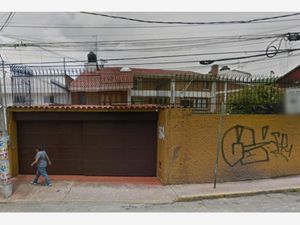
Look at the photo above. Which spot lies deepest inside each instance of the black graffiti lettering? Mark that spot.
(239, 146)
(282, 147)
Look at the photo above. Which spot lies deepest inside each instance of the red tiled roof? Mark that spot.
(139, 71)
(112, 78)
(124, 106)
(294, 74)
(102, 81)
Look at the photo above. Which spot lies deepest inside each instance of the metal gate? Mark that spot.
(107, 144)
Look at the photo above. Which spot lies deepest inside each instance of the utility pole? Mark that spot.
(4, 87)
(221, 123)
(96, 44)
(4, 139)
(64, 61)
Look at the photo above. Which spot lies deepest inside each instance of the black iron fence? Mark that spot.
(204, 93)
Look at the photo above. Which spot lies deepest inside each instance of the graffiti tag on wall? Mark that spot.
(4, 163)
(239, 145)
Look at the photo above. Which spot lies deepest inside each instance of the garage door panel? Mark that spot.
(104, 127)
(119, 147)
(133, 153)
(30, 140)
(102, 147)
(65, 152)
(66, 166)
(61, 139)
(119, 168)
(36, 128)
(106, 141)
(25, 167)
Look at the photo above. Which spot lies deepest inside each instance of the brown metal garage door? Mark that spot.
(121, 144)
(61, 139)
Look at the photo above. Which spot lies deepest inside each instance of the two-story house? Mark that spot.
(123, 85)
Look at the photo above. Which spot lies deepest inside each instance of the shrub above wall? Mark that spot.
(259, 99)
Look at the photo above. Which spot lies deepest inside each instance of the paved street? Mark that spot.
(113, 194)
(279, 202)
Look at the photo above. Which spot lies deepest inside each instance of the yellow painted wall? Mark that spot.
(13, 145)
(187, 153)
(186, 145)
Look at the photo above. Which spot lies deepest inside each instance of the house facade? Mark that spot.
(290, 79)
(27, 86)
(117, 85)
(123, 85)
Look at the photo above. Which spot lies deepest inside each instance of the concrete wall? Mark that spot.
(252, 146)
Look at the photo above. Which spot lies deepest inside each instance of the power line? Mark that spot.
(194, 43)
(60, 26)
(74, 45)
(4, 15)
(7, 21)
(84, 27)
(174, 62)
(151, 57)
(196, 23)
(259, 60)
(197, 38)
(207, 62)
(183, 55)
(55, 53)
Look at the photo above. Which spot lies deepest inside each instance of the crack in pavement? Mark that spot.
(62, 201)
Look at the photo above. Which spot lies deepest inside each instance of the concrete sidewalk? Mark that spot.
(139, 190)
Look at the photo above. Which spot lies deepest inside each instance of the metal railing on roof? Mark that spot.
(201, 92)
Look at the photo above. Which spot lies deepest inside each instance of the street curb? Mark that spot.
(233, 195)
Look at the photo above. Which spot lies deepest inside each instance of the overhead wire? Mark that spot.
(68, 26)
(251, 61)
(210, 61)
(179, 62)
(182, 39)
(6, 22)
(65, 47)
(196, 23)
(74, 48)
(154, 57)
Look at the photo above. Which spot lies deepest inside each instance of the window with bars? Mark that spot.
(49, 99)
(19, 99)
(199, 103)
(82, 99)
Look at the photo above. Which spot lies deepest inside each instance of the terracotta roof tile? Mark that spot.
(124, 106)
(111, 78)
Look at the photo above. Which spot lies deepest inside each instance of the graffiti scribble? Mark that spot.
(239, 146)
(282, 147)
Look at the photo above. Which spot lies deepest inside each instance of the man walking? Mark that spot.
(41, 159)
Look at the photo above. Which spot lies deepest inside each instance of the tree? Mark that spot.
(258, 99)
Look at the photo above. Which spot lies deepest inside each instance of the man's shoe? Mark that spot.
(34, 183)
(48, 185)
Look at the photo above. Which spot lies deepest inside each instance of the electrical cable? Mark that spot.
(151, 57)
(60, 26)
(192, 39)
(207, 62)
(66, 48)
(6, 21)
(259, 60)
(176, 62)
(196, 23)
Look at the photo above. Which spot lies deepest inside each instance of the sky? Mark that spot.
(119, 39)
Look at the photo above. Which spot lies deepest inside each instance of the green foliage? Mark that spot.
(259, 99)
